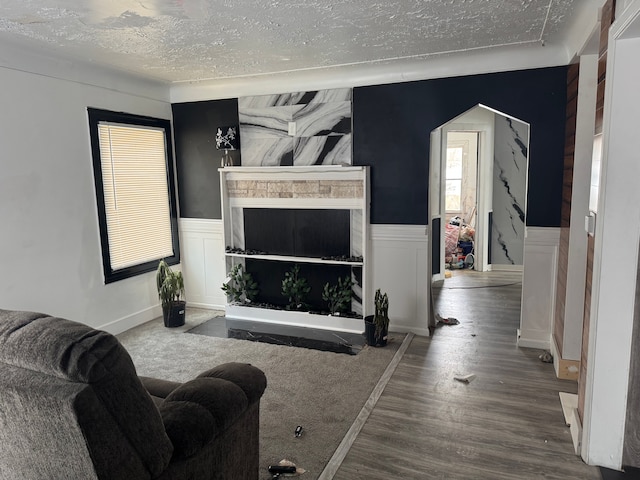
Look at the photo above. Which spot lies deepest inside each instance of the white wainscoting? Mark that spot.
(399, 267)
(203, 266)
(541, 246)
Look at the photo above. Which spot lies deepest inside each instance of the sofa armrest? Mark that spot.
(158, 388)
(250, 379)
(198, 411)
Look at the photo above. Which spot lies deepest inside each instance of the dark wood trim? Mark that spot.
(573, 74)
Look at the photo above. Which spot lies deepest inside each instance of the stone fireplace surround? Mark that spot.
(315, 187)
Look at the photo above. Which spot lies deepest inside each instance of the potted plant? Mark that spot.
(295, 288)
(377, 325)
(240, 286)
(171, 292)
(338, 296)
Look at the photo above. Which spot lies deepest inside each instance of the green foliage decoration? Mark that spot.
(241, 288)
(295, 289)
(338, 296)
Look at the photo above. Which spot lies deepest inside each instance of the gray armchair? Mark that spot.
(72, 406)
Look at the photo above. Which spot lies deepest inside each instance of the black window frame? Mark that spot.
(96, 116)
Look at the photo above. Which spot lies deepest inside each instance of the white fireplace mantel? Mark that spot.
(297, 187)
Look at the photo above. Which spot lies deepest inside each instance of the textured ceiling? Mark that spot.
(191, 40)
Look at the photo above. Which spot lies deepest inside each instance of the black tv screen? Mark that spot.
(298, 232)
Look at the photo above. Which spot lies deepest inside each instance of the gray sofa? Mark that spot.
(72, 407)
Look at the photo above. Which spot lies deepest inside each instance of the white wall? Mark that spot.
(49, 235)
(577, 260)
(617, 230)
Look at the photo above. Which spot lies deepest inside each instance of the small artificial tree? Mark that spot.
(338, 296)
(295, 288)
(240, 287)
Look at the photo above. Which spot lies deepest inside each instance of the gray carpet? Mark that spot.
(321, 391)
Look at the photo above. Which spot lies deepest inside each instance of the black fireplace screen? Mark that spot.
(298, 232)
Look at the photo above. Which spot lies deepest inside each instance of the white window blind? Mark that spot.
(136, 193)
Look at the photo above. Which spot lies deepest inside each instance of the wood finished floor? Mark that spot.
(506, 424)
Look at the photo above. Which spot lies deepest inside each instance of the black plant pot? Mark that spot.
(174, 314)
(370, 333)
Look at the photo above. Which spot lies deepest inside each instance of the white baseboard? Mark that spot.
(206, 306)
(130, 321)
(506, 268)
(424, 332)
(528, 342)
(576, 432)
(569, 402)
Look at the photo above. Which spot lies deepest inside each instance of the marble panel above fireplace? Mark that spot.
(296, 129)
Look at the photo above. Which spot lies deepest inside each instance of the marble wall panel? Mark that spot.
(237, 227)
(323, 150)
(322, 128)
(356, 233)
(509, 191)
(266, 152)
(323, 119)
(267, 122)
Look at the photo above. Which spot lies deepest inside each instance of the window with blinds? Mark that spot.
(134, 189)
(453, 182)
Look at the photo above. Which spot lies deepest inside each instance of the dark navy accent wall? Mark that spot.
(392, 124)
(391, 128)
(197, 160)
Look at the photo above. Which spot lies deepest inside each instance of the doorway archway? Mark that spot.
(501, 190)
